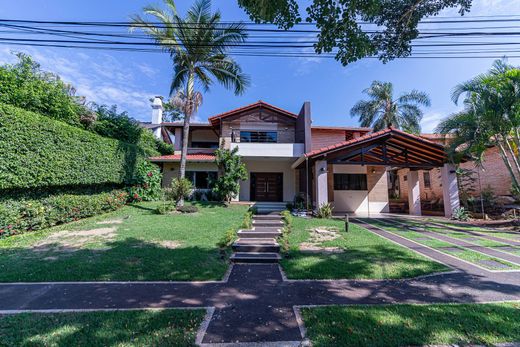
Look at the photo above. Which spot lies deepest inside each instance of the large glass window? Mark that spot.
(201, 179)
(201, 144)
(350, 181)
(258, 136)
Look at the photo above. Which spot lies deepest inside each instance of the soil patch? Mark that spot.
(73, 241)
(318, 236)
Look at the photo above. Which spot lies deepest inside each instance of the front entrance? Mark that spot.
(266, 186)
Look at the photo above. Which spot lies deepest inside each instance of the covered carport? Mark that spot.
(329, 169)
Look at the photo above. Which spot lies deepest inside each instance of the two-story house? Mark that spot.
(288, 156)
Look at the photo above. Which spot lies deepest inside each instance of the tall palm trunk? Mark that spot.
(186, 128)
(509, 167)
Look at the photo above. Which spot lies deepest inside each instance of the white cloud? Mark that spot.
(147, 70)
(430, 121)
(99, 77)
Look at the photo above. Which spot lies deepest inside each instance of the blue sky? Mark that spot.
(129, 79)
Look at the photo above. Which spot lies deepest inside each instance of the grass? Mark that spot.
(144, 246)
(464, 253)
(413, 325)
(365, 256)
(118, 328)
(512, 235)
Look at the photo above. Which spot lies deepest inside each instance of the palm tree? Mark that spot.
(490, 118)
(198, 45)
(382, 111)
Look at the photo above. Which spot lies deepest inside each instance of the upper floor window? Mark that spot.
(258, 136)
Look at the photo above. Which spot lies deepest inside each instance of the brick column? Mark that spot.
(450, 189)
(320, 172)
(414, 193)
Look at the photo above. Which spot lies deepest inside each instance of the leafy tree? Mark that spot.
(231, 171)
(491, 117)
(180, 189)
(25, 85)
(341, 23)
(198, 45)
(382, 110)
(119, 125)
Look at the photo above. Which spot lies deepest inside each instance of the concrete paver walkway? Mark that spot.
(255, 304)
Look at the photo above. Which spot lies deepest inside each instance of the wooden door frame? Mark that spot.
(252, 189)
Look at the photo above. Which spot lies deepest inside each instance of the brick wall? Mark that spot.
(323, 138)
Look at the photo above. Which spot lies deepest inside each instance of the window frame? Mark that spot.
(350, 181)
(192, 176)
(251, 139)
(427, 182)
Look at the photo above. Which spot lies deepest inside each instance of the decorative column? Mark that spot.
(414, 193)
(450, 189)
(320, 176)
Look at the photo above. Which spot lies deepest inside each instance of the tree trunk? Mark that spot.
(186, 129)
(503, 154)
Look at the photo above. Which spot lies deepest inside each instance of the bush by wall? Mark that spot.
(18, 216)
(39, 152)
(146, 183)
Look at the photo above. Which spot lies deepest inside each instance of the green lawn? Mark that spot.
(365, 255)
(130, 244)
(514, 235)
(464, 253)
(119, 328)
(413, 325)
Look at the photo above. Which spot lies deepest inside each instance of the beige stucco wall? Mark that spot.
(171, 170)
(373, 200)
(259, 165)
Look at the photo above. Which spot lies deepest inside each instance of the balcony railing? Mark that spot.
(254, 136)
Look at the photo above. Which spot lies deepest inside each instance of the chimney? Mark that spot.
(157, 115)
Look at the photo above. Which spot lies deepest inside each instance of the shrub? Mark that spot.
(231, 171)
(27, 215)
(165, 208)
(227, 239)
(38, 152)
(247, 222)
(460, 214)
(180, 189)
(188, 209)
(146, 183)
(324, 211)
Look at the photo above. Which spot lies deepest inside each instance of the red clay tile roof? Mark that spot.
(189, 157)
(368, 137)
(259, 103)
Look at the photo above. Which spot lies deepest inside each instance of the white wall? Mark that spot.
(283, 166)
(254, 149)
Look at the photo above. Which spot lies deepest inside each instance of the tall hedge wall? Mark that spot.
(39, 152)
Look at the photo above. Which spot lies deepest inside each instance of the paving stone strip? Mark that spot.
(256, 305)
(475, 233)
(471, 246)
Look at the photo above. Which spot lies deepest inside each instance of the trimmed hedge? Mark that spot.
(18, 216)
(39, 152)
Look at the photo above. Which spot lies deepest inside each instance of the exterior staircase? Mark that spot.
(259, 244)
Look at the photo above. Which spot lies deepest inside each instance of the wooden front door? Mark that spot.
(266, 186)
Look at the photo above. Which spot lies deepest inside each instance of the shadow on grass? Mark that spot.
(135, 328)
(408, 325)
(123, 260)
(378, 261)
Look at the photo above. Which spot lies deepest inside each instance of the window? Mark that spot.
(350, 182)
(201, 144)
(427, 181)
(258, 136)
(201, 179)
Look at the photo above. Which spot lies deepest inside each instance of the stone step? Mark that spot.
(255, 257)
(258, 241)
(267, 217)
(256, 234)
(255, 248)
(267, 223)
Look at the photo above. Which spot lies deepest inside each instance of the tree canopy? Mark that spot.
(342, 24)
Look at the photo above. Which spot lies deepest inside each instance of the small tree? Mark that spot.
(146, 183)
(180, 189)
(231, 171)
